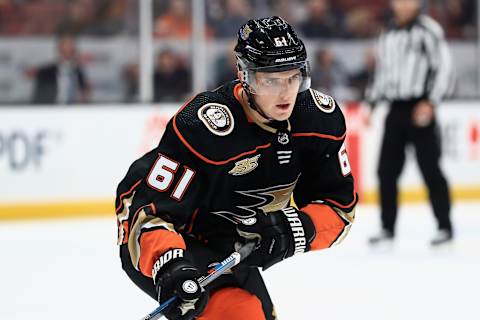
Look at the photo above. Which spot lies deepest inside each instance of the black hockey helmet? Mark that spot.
(270, 45)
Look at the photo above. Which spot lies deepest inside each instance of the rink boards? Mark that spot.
(66, 161)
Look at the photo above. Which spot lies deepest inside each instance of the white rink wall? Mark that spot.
(73, 153)
(459, 127)
(76, 155)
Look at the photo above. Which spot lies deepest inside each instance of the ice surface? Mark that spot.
(70, 270)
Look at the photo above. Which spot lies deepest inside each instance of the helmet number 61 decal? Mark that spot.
(280, 42)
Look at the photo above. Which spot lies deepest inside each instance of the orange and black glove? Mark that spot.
(279, 235)
(175, 275)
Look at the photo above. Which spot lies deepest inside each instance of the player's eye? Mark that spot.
(271, 82)
(295, 78)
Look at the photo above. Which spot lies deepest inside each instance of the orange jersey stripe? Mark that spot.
(153, 244)
(217, 163)
(202, 157)
(319, 135)
(328, 225)
(347, 206)
(236, 91)
(183, 107)
(192, 221)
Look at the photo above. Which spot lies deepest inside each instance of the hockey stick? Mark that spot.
(212, 274)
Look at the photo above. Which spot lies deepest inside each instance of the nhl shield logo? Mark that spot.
(244, 166)
(217, 118)
(283, 138)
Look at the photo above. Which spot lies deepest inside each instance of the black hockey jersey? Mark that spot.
(215, 166)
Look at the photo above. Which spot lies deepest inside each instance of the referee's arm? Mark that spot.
(440, 81)
(374, 90)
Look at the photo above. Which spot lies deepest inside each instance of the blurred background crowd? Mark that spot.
(86, 51)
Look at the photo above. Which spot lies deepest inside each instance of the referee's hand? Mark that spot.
(422, 114)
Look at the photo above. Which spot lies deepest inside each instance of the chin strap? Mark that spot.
(251, 102)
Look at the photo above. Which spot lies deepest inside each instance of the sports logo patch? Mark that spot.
(189, 286)
(268, 199)
(323, 102)
(217, 118)
(244, 166)
(249, 221)
(245, 32)
(282, 138)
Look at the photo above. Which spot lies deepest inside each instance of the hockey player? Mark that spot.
(260, 158)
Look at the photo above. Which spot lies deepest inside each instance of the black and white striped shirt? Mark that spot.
(412, 62)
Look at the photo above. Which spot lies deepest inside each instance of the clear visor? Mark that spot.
(271, 82)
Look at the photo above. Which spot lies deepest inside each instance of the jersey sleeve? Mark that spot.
(440, 80)
(375, 88)
(325, 190)
(156, 200)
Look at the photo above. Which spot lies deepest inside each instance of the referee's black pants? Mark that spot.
(399, 131)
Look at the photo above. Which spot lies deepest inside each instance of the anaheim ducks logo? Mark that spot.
(267, 199)
(244, 166)
(323, 102)
(270, 199)
(217, 118)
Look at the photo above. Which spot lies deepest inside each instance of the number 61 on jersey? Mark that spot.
(163, 173)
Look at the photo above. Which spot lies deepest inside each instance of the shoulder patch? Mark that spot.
(323, 101)
(217, 118)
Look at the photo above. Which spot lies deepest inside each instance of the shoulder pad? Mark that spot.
(207, 112)
(210, 126)
(322, 101)
(317, 114)
(217, 118)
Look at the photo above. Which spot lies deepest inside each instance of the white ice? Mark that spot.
(70, 270)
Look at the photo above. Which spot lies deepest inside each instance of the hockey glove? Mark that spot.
(279, 235)
(175, 275)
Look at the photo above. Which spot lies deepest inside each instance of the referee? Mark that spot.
(413, 73)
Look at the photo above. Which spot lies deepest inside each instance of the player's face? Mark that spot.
(276, 92)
